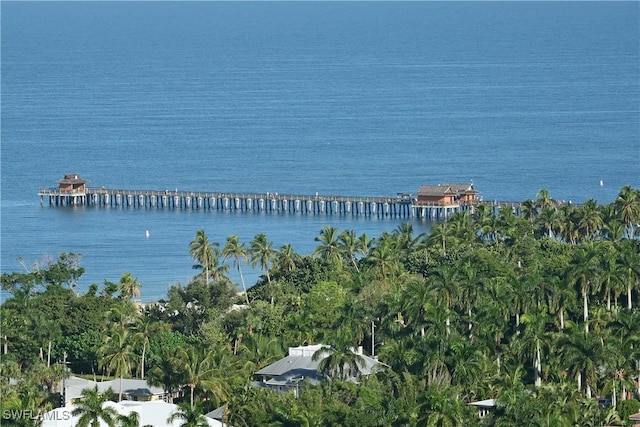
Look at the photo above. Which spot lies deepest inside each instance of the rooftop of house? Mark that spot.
(299, 365)
(131, 387)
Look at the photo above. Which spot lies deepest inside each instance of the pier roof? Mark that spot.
(71, 179)
(446, 189)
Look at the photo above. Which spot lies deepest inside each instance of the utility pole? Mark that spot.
(64, 376)
(373, 338)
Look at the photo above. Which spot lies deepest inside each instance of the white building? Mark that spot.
(154, 413)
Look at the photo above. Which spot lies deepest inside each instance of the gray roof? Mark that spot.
(217, 414)
(299, 364)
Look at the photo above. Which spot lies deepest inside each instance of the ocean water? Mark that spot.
(350, 98)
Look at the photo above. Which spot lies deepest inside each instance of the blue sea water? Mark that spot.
(352, 98)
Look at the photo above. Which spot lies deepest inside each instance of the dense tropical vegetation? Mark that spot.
(538, 309)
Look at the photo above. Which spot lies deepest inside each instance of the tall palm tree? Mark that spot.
(544, 200)
(261, 253)
(237, 251)
(117, 354)
(548, 219)
(47, 331)
(529, 210)
(329, 247)
(348, 244)
(405, 239)
(285, 259)
(414, 302)
(91, 409)
(583, 268)
(484, 220)
(384, 259)
(129, 286)
(166, 373)
(143, 329)
(534, 339)
(201, 371)
(582, 353)
(444, 284)
(629, 263)
(628, 206)
(202, 251)
(590, 219)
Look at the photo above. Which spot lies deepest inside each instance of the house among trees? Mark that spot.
(484, 407)
(446, 194)
(72, 183)
(301, 365)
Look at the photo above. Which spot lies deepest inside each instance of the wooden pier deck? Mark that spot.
(381, 207)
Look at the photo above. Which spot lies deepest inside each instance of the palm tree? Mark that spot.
(407, 243)
(329, 248)
(583, 268)
(129, 286)
(91, 408)
(286, 258)
(202, 251)
(166, 373)
(544, 200)
(236, 250)
(117, 354)
(590, 219)
(582, 353)
(533, 339)
(629, 263)
(414, 302)
(529, 210)
(189, 416)
(200, 370)
(338, 360)
(144, 328)
(131, 420)
(442, 407)
(262, 350)
(548, 220)
(348, 244)
(48, 331)
(628, 206)
(261, 253)
(444, 284)
(440, 235)
(384, 259)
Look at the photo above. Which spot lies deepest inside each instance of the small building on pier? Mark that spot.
(72, 183)
(446, 194)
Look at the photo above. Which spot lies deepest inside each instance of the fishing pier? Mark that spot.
(431, 202)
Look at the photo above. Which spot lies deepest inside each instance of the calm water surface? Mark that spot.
(341, 98)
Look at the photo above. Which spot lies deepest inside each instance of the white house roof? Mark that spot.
(132, 387)
(488, 403)
(153, 413)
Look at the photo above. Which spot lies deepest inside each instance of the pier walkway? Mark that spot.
(401, 206)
